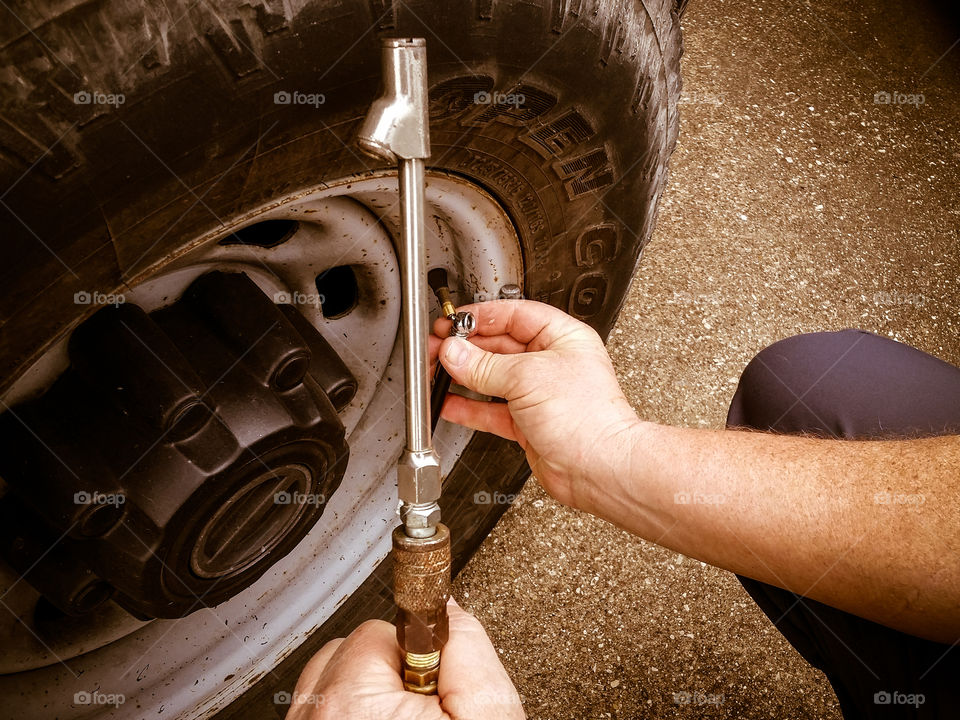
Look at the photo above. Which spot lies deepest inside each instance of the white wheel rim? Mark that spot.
(195, 666)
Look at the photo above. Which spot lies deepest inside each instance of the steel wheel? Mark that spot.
(330, 253)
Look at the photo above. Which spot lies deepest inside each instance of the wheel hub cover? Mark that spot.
(182, 453)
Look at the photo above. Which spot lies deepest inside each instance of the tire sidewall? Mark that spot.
(201, 139)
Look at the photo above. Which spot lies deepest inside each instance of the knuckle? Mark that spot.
(484, 371)
(368, 626)
(367, 629)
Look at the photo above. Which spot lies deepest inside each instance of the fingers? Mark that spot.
(504, 327)
(360, 677)
(488, 417)
(473, 683)
(503, 344)
(370, 651)
(433, 345)
(477, 369)
(523, 320)
(308, 681)
(314, 669)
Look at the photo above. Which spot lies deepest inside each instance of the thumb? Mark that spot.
(481, 371)
(473, 682)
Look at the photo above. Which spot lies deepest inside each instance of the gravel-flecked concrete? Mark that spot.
(796, 203)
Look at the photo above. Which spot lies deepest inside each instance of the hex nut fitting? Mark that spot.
(421, 673)
(418, 477)
(420, 519)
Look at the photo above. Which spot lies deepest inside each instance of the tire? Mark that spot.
(96, 196)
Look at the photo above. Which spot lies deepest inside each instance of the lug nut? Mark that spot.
(510, 292)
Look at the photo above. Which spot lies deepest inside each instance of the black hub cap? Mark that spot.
(183, 452)
(251, 522)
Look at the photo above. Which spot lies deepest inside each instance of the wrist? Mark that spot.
(611, 476)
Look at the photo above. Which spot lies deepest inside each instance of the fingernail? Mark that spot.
(457, 352)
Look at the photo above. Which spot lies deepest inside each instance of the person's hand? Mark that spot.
(564, 404)
(358, 678)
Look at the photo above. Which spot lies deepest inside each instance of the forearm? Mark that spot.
(869, 527)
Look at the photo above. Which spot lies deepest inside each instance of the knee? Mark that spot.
(774, 392)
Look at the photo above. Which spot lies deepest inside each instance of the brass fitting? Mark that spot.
(437, 279)
(421, 588)
(446, 303)
(421, 672)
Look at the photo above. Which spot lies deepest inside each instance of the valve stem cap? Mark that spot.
(464, 323)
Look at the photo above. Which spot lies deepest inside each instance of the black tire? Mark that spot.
(95, 196)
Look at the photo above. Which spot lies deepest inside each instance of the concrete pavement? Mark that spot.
(799, 200)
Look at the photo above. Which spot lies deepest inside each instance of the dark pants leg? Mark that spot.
(853, 384)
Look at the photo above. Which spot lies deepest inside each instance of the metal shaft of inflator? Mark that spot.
(397, 129)
(414, 307)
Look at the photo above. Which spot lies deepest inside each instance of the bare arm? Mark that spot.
(871, 527)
